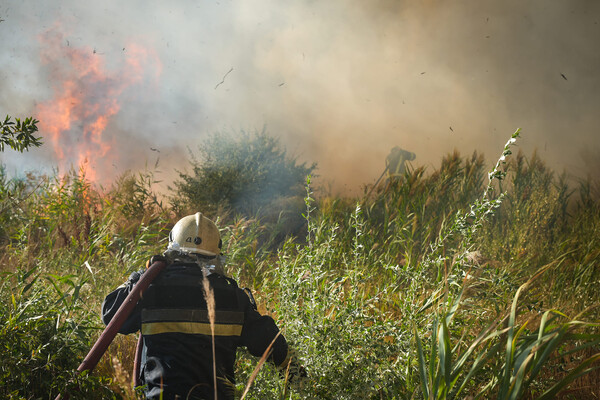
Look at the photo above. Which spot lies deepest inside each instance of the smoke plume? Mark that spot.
(339, 82)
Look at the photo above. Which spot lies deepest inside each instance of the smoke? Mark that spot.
(339, 82)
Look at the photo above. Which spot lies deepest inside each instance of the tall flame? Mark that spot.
(86, 98)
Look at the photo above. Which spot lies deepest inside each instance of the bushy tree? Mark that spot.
(243, 173)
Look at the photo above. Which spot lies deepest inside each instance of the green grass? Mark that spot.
(442, 284)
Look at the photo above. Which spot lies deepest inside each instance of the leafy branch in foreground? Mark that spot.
(19, 135)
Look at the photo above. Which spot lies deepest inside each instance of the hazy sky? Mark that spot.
(341, 82)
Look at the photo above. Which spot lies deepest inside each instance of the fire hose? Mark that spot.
(378, 179)
(93, 357)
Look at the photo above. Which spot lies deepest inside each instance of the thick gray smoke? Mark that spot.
(340, 82)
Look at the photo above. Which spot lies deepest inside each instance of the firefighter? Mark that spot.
(394, 162)
(173, 317)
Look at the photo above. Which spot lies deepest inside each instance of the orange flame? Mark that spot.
(86, 98)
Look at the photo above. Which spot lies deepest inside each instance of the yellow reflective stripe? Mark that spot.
(196, 328)
(191, 315)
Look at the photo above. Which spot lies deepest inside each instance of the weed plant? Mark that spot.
(358, 310)
(439, 285)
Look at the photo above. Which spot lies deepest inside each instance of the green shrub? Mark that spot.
(243, 174)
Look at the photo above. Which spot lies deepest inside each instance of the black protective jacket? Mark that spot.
(177, 356)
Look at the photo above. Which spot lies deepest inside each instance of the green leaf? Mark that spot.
(422, 366)
(445, 353)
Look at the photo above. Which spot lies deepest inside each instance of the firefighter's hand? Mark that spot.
(133, 277)
(294, 373)
(297, 373)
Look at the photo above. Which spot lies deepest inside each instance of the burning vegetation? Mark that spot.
(87, 95)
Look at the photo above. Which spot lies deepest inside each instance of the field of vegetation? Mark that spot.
(445, 283)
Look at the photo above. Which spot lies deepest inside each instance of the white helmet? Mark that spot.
(195, 234)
